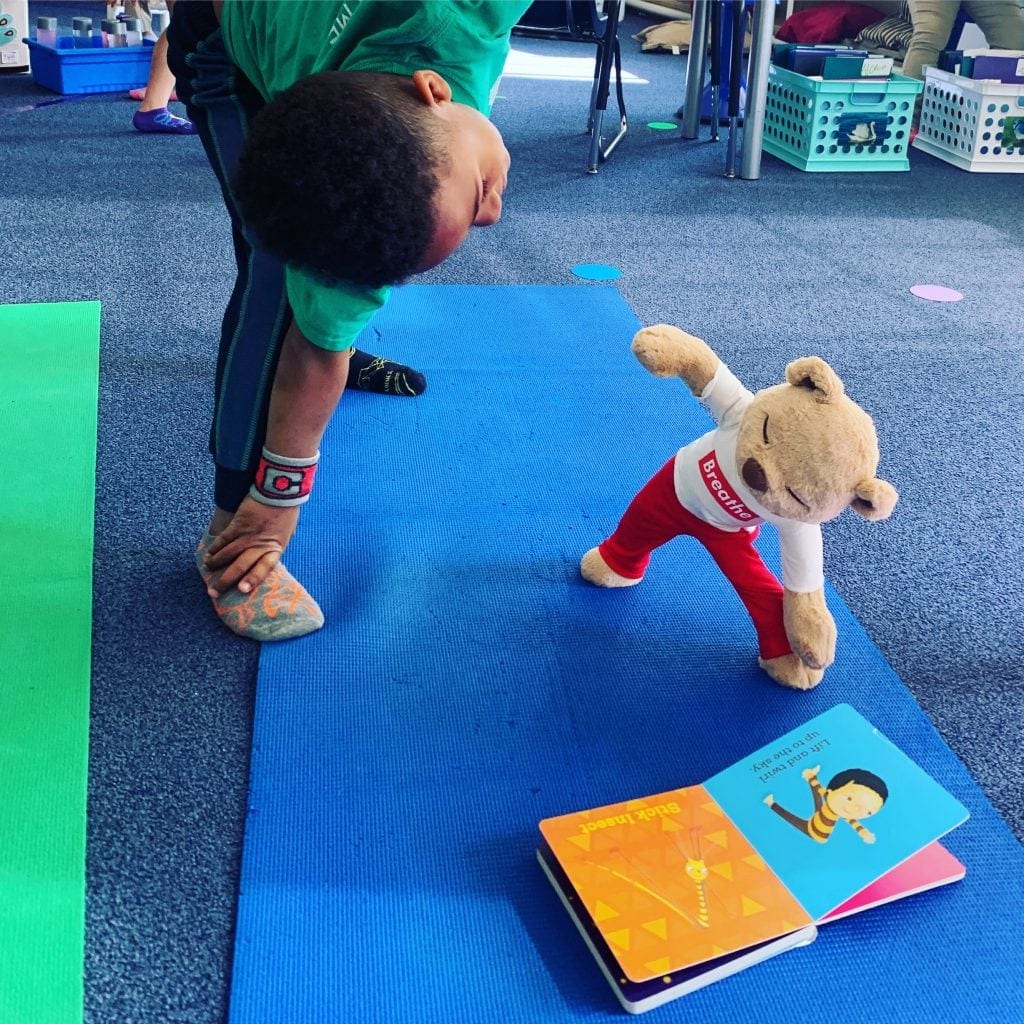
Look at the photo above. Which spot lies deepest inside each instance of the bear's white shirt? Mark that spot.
(708, 484)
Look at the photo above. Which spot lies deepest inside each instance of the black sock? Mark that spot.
(375, 373)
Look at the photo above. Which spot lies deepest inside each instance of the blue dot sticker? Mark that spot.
(596, 271)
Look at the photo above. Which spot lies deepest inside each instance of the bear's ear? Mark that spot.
(816, 375)
(874, 499)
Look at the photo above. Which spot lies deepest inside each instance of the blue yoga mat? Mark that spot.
(468, 683)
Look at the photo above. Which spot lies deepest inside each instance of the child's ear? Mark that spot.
(433, 89)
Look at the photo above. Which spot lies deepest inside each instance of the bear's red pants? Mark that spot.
(655, 516)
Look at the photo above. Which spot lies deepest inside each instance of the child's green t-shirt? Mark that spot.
(277, 42)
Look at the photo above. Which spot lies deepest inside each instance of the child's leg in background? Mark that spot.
(153, 115)
(1001, 21)
(933, 21)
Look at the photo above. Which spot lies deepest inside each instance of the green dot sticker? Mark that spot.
(662, 126)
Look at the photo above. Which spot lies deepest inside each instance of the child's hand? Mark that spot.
(868, 837)
(249, 547)
(809, 773)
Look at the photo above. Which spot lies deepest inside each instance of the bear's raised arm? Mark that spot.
(667, 351)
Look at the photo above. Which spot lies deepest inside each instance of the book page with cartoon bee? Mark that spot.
(833, 806)
(670, 882)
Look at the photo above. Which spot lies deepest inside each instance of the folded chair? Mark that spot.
(586, 21)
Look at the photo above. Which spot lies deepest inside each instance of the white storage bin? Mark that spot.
(977, 125)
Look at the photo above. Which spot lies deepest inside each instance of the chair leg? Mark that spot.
(696, 62)
(621, 100)
(716, 65)
(739, 29)
(609, 53)
(595, 91)
(757, 89)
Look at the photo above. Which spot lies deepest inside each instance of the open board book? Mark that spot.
(677, 890)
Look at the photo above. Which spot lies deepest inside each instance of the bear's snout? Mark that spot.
(754, 476)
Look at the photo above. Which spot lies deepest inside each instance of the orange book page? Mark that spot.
(670, 882)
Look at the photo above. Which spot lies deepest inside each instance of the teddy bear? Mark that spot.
(793, 455)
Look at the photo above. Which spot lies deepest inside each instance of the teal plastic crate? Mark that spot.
(839, 125)
(67, 69)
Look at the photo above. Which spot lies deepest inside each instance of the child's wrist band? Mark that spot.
(283, 481)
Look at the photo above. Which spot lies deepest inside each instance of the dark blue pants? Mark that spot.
(221, 102)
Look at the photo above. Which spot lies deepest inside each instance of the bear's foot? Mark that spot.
(790, 671)
(596, 570)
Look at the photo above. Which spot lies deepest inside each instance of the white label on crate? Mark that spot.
(8, 56)
(1020, 67)
(876, 66)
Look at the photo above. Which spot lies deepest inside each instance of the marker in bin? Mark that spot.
(115, 33)
(46, 31)
(81, 32)
(133, 32)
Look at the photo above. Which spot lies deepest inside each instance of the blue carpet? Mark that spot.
(468, 684)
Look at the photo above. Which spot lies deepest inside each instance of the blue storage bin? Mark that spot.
(837, 125)
(97, 68)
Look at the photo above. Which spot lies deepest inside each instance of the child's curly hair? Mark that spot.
(338, 177)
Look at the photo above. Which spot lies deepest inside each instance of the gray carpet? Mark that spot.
(792, 264)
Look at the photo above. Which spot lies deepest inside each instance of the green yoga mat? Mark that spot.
(48, 387)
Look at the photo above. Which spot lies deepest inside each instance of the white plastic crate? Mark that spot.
(975, 125)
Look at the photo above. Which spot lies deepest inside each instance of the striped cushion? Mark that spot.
(890, 34)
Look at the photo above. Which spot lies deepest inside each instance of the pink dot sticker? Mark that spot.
(936, 293)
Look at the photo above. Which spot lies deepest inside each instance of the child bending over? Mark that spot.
(353, 149)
